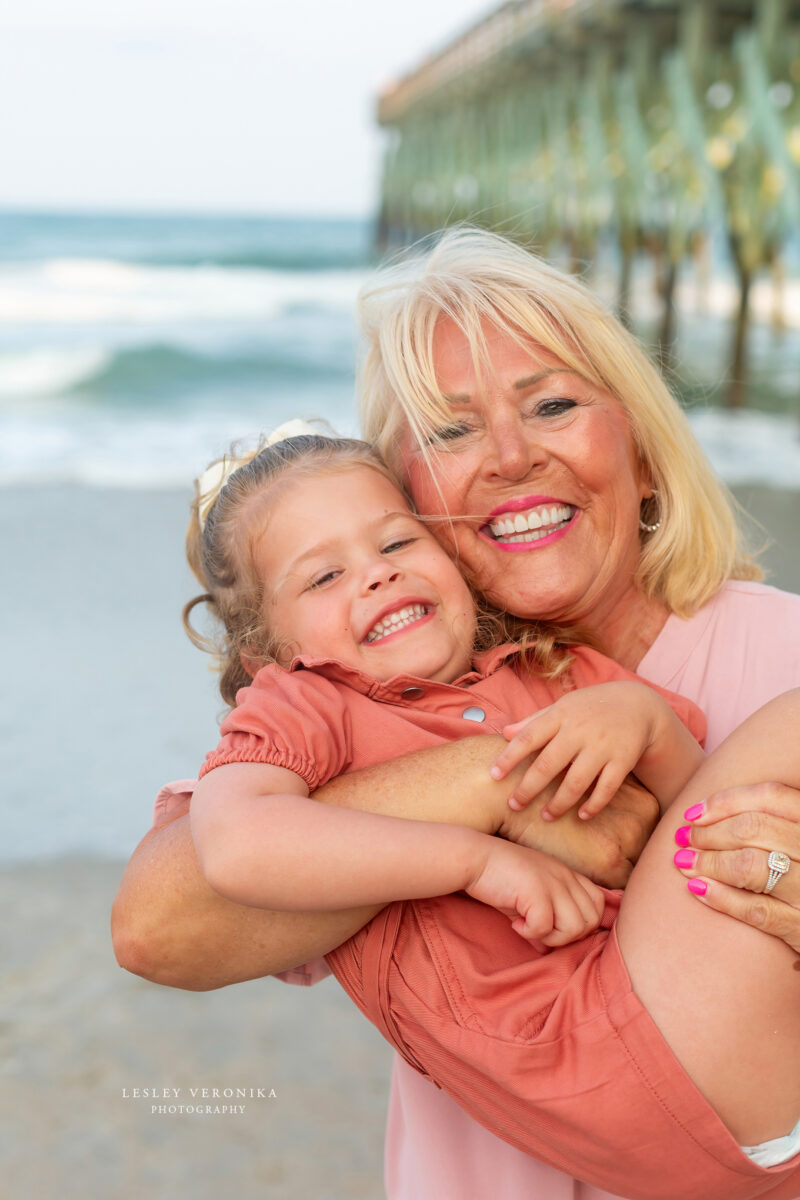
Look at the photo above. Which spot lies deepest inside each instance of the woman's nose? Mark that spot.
(513, 451)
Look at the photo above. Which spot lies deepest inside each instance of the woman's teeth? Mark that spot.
(396, 620)
(532, 525)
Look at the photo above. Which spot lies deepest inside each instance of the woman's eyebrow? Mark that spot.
(463, 399)
(532, 380)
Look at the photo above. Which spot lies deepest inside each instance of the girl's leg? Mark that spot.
(725, 996)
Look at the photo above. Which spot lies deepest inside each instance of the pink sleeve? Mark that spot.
(297, 720)
(174, 799)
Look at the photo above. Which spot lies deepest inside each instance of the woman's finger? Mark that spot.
(762, 912)
(763, 831)
(746, 868)
(774, 798)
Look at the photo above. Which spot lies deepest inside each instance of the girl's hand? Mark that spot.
(595, 735)
(723, 851)
(549, 904)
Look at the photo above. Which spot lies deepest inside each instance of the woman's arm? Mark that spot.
(262, 840)
(170, 927)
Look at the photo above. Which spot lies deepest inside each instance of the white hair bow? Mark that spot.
(214, 478)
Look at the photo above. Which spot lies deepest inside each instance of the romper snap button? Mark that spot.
(473, 713)
(412, 693)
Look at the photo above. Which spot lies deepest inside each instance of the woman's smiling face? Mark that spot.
(542, 463)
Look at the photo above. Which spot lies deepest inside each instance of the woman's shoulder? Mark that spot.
(747, 600)
(743, 622)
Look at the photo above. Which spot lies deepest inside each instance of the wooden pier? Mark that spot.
(571, 123)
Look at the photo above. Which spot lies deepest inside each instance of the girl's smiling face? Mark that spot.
(542, 464)
(351, 574)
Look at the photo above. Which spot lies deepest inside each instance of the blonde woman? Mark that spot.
(571, 490)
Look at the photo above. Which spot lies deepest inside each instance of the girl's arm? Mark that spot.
(596, 736)
(262, 841)
(169, 926)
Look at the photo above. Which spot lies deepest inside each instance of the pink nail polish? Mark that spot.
(698, 886)
(683, 836)
(684, 858)
(694, 812)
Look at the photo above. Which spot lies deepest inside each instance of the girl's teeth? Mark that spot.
(396, 620)
(531, 526)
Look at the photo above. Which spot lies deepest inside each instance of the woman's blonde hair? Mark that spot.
(472, 277)
(219, 544)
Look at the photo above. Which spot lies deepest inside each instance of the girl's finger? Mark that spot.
(743, 869)
(762, 912)
(590, 900)
(774, 798)
(549, 763)
(525, 743)
(608, 784)
(572, 930)
(578, 778)
(535, 920)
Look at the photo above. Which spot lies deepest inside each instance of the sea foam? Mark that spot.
(99, 292)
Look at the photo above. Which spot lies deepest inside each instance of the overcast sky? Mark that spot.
(247, 105)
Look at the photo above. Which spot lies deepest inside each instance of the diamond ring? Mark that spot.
(778, 864)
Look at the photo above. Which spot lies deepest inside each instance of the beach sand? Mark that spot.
(105, 699)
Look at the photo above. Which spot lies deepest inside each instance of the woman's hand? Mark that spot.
(605, 849)
(724, 848)
(548, 903)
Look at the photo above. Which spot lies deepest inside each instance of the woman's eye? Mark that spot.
(557, 406)
(449, 433)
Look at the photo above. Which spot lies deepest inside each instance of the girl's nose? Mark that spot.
(379, 574)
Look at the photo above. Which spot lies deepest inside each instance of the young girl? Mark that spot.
(353, 632)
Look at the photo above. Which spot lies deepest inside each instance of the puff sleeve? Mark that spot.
(298, 720)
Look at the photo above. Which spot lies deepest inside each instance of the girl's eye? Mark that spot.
(323, 578)
(397, 544)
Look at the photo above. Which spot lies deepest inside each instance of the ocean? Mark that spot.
(135, 348)
(132, 351)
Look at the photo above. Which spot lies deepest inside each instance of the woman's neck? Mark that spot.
(629, 631)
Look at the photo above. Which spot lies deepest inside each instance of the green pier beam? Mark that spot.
(649, 124)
